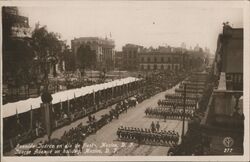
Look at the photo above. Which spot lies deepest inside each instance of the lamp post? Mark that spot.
(183, 114)
(46, 96)
(196, 95)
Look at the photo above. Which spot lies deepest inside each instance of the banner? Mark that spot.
(31, 117)
(68, 106)
(93, 97)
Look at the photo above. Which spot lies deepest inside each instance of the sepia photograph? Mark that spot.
(125, 79)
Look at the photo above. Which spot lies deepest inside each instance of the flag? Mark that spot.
(123, 88)
(105, 93)
(68, 105)
(112, 91)
(17, 117)
(61, 105)
(74, 96)
(93, 96)
(82, 100)
(127, 87)
(31, 117)
(53, 110)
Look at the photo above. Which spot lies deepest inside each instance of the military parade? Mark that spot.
(106, 87)
(169, 113)
(148, 136)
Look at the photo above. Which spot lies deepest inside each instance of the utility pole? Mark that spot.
(184, 107)
(196, 94)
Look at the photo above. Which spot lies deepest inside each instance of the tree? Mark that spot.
(18, 62)
(69, 59)
(48, 48)
(86, 58)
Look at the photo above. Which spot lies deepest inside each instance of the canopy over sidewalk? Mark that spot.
(10, 109)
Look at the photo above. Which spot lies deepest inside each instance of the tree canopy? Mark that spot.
(86, 58)
(18, 61)
(47, 46)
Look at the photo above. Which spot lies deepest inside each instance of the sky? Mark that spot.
(146, 23)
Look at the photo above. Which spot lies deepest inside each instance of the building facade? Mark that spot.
(16, 34)
(224, 116)
(229, 57)
(103, 48)
(130, 57)
(118, 60)
(162, 61)
(227, 97)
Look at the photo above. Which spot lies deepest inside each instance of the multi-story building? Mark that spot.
(229, 57)
(131, 56)
(16, 34)
(229, 70)
(103, 48)
(225, 108)
(118, 59)
(162, 61)
(14, 24)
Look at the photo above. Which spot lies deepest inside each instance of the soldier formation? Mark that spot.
(176, 102)
(148, 136)
(180, 96)
(168, 113)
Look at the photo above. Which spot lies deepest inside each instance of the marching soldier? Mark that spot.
(158, 126)
(153, 126)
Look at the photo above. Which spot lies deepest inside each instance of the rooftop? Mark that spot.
(97, 40)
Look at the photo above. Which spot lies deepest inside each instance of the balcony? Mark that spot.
(225, 108)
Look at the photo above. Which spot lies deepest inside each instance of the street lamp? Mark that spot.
(46, 96)
(183, 114)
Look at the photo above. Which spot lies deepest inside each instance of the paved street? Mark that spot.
(60, 73)
(135, 117)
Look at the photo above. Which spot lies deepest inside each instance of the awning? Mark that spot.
(10, 109)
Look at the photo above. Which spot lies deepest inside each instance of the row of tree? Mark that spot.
(26, 61)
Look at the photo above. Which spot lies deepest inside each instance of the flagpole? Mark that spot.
(17, 117)
(68, 105)
(61, 105)
(93, 96)
(31, 117)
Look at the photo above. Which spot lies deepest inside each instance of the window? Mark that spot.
(155, 66)
(155, 59)
(148, 59)
(142, 67)
(142, 59)
(169, 67)
(229, 77)
(148, 67)
(162, 67)
(162, 59)
(169, 60)
(176, 59)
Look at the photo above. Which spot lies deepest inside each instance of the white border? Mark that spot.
(245, 5)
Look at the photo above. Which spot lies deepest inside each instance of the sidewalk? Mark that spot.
(59, 132)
